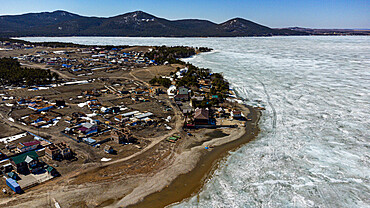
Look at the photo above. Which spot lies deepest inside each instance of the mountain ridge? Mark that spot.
(134, 24)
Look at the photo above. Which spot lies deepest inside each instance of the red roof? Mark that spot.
(201, 114)
(82, 128)
(27, 144)
(181, 96)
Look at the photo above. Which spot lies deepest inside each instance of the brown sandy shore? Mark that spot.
(190, 183)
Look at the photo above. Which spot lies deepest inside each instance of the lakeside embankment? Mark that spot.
(187, 184)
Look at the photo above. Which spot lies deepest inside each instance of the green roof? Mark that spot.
(20, 158)
(49, 169)
(173, 138)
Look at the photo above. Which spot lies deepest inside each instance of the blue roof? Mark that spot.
(89, 140)
(12, 182)
(66, 65)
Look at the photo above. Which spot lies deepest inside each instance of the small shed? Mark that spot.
(52, 171)
(13, 185)
(108, 149)
(13, 175)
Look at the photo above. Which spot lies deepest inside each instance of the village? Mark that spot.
(108, 104)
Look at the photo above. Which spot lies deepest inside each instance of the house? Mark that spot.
(65, 150)
(94, 104)
(88, 128)
(120, 118)
(39, 120)
(26, 162)
(53, 152)
(180, 73)
(122, 136)
(183, 91)
(88, 140)
(38, 107)
(28, 146)
(144, 115)
(90, 93)
(201, 116)
(236, 114)
(186, 110)
(182, 94)
(155, 91)
(59, 151)
(105, 110)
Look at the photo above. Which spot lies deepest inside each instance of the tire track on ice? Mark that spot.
(270, 104)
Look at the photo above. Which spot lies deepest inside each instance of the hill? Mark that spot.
(138, 23)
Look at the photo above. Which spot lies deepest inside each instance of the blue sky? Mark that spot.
(273, 13)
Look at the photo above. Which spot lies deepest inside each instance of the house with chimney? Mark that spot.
(201, 116)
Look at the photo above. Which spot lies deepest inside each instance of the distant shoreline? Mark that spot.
(111, 36)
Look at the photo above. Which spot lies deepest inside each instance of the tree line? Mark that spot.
(165, 82)
(12, 74)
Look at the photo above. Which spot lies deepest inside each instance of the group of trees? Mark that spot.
(170, 54)
(204, 49)
(11, 73)
(190, 78)
(219, 83)
(161, 81)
